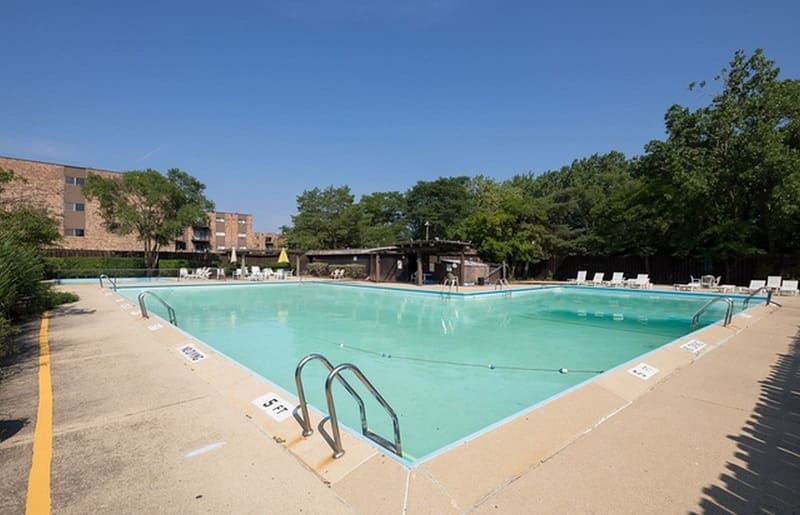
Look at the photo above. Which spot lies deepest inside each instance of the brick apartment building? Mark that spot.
(57, 188)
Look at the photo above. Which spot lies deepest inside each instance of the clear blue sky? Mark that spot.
(262, 100)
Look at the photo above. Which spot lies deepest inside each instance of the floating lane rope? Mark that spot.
(491, 366)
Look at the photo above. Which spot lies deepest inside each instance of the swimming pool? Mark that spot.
(450, 366)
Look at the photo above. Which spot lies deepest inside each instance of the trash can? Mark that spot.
(481, 281)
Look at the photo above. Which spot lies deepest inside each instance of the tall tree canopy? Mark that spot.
(725, 183)
(326, 219)
(154, 207)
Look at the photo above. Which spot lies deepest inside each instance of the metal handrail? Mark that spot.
(338, 451)
(450, 283)
(110, 280)
(143, 308)
(769, 291)
(305, 420)
(728, 311)
(500, 284)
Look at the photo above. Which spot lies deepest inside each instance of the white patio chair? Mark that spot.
(642, 281)
(255, 273)
(755, 285)
(580, 278)
(788, 287)
(617, 279)
(597, 280)
(774, 282)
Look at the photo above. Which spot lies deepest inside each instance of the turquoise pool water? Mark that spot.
(449, 365)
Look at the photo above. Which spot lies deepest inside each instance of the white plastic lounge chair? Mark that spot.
(642, 281)
(755, 285)
(788, 287)
(693, 284)
(774, 282)
(580, 278)
(203, 273)
(255, 273)
(184, 274)
(617, 279)
(597, 280)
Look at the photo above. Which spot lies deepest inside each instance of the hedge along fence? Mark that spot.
(113, 266)
(318, 269)
(353, 271)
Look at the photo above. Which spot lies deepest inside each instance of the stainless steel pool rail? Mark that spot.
(110, 280)
(769, 291)
(728, 311)
(143, 307)
(335, 374)
(338, 451)
(450, 283)
(500, 284)
(305, 421)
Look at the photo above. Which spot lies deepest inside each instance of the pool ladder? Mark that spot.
(110, 280)
(769, 291)
(335, 374)
(728, 311)
(143, 307)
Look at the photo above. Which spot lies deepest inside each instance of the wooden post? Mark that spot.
(377, 268)
(420, 271)
(461, 270)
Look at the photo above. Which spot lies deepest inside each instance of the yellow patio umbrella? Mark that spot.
(283, 258)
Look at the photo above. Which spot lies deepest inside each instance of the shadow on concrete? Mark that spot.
(64, 311)
(9, 428)
(24, 349)
(766, 475)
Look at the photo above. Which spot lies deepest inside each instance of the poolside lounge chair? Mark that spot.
(268, 273)
(642, 281)
(774, 282)
(184, 274)
(203, 273)
(692, 285)
(597, 280)
(580, 278)
(617, 279)
(755, 285)
(255, 273)
(788, 287)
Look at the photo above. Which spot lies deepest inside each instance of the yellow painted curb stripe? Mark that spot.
(38, 500)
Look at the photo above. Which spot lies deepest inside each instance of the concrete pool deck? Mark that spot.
(138, 428)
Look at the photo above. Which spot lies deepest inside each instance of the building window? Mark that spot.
(242, 247)
(74, 232)
(242, 222)
(220, 234)
(220, 247)
(74, 206)
(78, 181)
(268, 239)
(242, 235)
(220, 220)
(180, 245)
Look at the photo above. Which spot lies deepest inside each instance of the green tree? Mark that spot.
(325, 219)
(505, 225)
(728, 172)
(444, 204)
(384, 218)
(154, 207)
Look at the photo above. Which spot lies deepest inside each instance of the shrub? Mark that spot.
(174, 264)
(318, 269)
(93, 266)
(355, 271)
